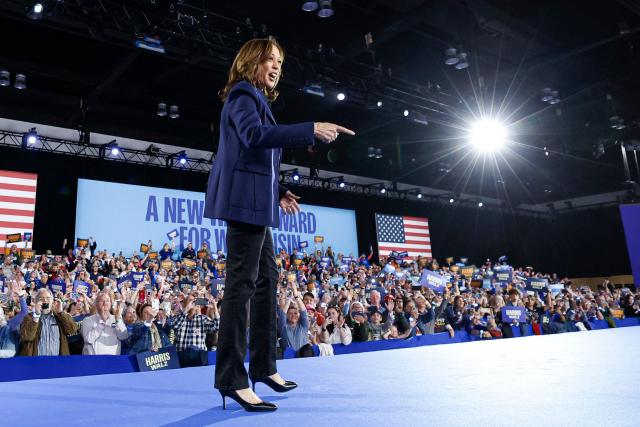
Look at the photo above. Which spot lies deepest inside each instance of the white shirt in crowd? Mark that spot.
(102, 337)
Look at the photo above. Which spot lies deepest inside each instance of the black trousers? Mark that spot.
(249, 298)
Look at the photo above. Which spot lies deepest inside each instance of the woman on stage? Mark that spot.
(243, 190)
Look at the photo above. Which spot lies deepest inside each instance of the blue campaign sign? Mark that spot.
(2, 285)
(81, 287)
(337, 282)
(535, 284)
(433, 281)
(151, 213)
(304, 244)
(164, 358)
(503, 275)
(512, 314)
(58, 285)
(136, 278)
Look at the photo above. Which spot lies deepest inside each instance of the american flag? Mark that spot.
(17, 204)
(403, 233)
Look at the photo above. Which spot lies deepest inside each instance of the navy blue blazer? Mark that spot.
(243, 182)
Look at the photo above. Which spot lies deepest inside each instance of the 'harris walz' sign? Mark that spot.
(164, 358)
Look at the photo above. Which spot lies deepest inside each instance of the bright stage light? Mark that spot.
(341, 96)
(488, 135)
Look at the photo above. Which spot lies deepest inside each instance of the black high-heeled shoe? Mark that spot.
(249, 407)
(280, 388)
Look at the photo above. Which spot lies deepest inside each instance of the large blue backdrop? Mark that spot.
(631, 221)
(121, 216)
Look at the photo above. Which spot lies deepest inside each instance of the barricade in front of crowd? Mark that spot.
(43, 367)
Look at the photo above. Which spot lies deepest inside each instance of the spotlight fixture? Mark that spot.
(451, 56)
(152, 150)
(462, 61)
(325, 10)
(480, 204)
(30, 138)
(21, 82)
(5, 78)
(379, 104)
(341, 96)
(36, 11)
(173, 112)
(162, 109)
(488, 135)
(371, 152)
(378, 153)
(182, 157)
(296, 175)
(419, 196)
(341, 183)
(383, 190)
(113, 148)
(405, 113)
(451, 200)
(309, 6)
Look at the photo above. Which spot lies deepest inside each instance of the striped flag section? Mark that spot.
(403, 233)
(17, 204)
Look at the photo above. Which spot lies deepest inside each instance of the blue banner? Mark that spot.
(631, 222)
(304, 245)
(536, 284)
(136, 278)
(503, 275)
(153, 213)
(58, 285)
(81, 287)
(433, 281)
(164, 358)
(512, 314)
(2, 285)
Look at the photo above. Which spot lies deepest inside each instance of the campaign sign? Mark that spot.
(304, 244)
(433, 281)
(202, 254)
(164, 358)
(27, 254)
(403, 254)
(337, 282)
(556, 288)
(57, 285)
(136, 278)
(486, 284)
(81, 287)
(28, 236)
(14, 238)
(324, 262)
(503, 275)
(122, 281)
(512, 314)
(153, 255)
(217, 285)
(167, 265)
(189, 263)
(536, 284)
(2, 285)
(158, 214)
(144, 248)
(82, 243)
(467, 272)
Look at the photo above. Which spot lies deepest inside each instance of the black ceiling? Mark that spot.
(83, 55)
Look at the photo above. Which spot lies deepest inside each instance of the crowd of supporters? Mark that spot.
(90, 301)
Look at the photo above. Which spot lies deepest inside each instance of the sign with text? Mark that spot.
(503, 275)
(157, 214)
(631, 222)
(433, 281)
(536, 284)
(164, 358)
(511, 314)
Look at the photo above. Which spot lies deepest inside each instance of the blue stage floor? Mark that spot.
(577, 379)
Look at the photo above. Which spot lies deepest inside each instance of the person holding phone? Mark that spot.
(44, 332)
(243, 190)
